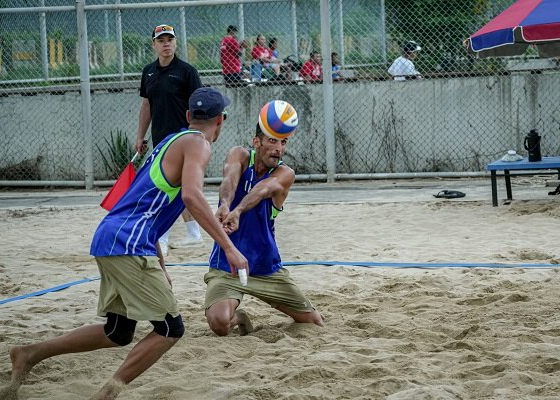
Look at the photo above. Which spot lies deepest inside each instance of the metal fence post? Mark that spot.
(241, 27)
(383, 31)
(241, 21)
(106, 21)
(341, 31)
(183, 20)
(328, 99)
(294, 28)
(44, 43)
(118, 31)
(85, 92)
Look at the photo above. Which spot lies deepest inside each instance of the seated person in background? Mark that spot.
(263, 55)
(335, 61)
(403, 67)
(312, 70)
(286, 68)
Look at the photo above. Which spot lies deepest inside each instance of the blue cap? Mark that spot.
(207, 103)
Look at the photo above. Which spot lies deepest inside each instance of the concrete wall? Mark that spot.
(455, 124)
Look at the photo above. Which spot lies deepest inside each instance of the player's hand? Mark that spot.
(237, 261)
(231, 222)
(222, 212)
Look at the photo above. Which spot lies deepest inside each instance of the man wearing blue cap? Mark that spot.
(134, 282)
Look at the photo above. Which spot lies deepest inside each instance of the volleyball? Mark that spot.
(278, 119)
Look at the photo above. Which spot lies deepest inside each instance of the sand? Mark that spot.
(391, 333)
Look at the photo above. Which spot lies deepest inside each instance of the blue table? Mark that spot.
(521, 165)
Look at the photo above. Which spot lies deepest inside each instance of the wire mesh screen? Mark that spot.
(40, 114)
(428, 105)
(407, 97)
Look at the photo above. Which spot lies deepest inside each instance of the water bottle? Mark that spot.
(533, 145)
(256, 71)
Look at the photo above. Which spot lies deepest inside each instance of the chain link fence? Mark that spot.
(69, 108)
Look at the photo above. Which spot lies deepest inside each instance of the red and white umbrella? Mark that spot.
(525, 23)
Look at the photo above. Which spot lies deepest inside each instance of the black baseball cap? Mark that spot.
(232, 28)
(411, 47)
(207, 103)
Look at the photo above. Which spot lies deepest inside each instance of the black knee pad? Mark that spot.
(170, 327)
(119, 329)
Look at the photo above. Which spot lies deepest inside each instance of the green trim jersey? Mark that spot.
(255, 238)
(146, 211)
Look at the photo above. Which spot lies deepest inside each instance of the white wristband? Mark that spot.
(242, 276)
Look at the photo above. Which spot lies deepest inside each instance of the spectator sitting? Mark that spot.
(335, 61)
(286, 68)
(403, 67)
(312, 71)
(263, 60)
(230, 52)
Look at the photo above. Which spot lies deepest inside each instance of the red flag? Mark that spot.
(119, 188)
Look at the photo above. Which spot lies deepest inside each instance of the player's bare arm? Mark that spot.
(144, 119)
(277, 187)
(236, 162)
(184, 163)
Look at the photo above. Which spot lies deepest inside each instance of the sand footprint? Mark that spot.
(481, 301)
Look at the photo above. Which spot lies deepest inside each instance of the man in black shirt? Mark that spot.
(166, 86)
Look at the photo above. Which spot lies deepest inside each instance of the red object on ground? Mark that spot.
(119, 188)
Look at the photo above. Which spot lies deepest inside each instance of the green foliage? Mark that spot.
(118, 154)
(206, 52)
(65, 70)
(132, 44)
(439, 27)
(69, 44)
(57, 34)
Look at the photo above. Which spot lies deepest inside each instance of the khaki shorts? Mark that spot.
(276, 289)
(135, 287)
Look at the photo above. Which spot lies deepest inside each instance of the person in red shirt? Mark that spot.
(264, 59)
(260, 52)
(230, 51)
(312, 70)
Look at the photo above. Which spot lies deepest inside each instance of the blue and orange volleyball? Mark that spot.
(278, 119)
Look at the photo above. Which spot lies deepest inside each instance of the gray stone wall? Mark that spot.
(455, 124)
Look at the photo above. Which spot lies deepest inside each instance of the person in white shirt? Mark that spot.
(403, 67)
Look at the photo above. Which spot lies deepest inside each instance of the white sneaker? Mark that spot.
(189, 241)
(164, 248)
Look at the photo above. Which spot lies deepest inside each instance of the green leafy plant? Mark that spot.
(118, 154)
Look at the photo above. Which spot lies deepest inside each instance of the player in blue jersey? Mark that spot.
(255, 186)
(134, 283)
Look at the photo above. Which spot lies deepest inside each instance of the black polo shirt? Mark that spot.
(168, 90)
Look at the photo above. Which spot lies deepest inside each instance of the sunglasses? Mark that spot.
(224, 114)
(163, 28)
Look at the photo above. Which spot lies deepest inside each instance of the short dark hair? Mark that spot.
(272, 41)
(232, 28)
(258, 132)
(411, 47)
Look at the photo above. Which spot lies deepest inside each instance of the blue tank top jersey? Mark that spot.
(255, 237)
(145, 212)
